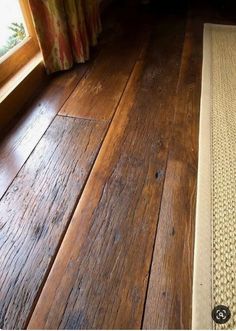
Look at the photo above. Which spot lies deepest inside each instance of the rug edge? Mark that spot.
(202, 280)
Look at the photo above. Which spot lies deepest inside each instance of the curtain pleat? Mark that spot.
(66, 29)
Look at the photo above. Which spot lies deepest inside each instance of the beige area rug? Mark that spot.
(215, 236)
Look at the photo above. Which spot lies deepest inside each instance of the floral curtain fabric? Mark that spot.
(66, 29)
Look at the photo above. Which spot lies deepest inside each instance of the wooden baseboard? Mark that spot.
(20, 90)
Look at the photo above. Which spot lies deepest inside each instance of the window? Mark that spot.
(18, 42)
(12, 26)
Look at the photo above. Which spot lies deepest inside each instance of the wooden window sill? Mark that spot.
(17, 91)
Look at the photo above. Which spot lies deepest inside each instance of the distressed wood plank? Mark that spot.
(169, 298)
(28, 129)
(36, 210)
(99, 92)
(99, 277)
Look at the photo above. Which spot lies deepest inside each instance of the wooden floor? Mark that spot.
(98, 182)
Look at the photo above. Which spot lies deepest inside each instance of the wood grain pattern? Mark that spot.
(99, 277)
(20, 141)
(99, 92)
(36, 210)
(169, 298)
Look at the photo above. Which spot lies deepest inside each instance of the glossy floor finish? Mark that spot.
(98, 181)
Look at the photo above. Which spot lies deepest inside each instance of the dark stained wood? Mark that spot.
(99, 92)
(20, 141)
(36, 210)
(102, 269)
(169, 298)
(99, 277)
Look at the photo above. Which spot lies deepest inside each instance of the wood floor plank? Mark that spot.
(99, 277)
(99, 92)
(36, 210)
(169, 298)
(20, 141)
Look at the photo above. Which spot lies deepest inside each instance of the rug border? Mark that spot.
(202, 271)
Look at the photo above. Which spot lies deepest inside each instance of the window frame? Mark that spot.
(16, 58)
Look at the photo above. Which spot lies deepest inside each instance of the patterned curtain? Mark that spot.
(66, 29)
